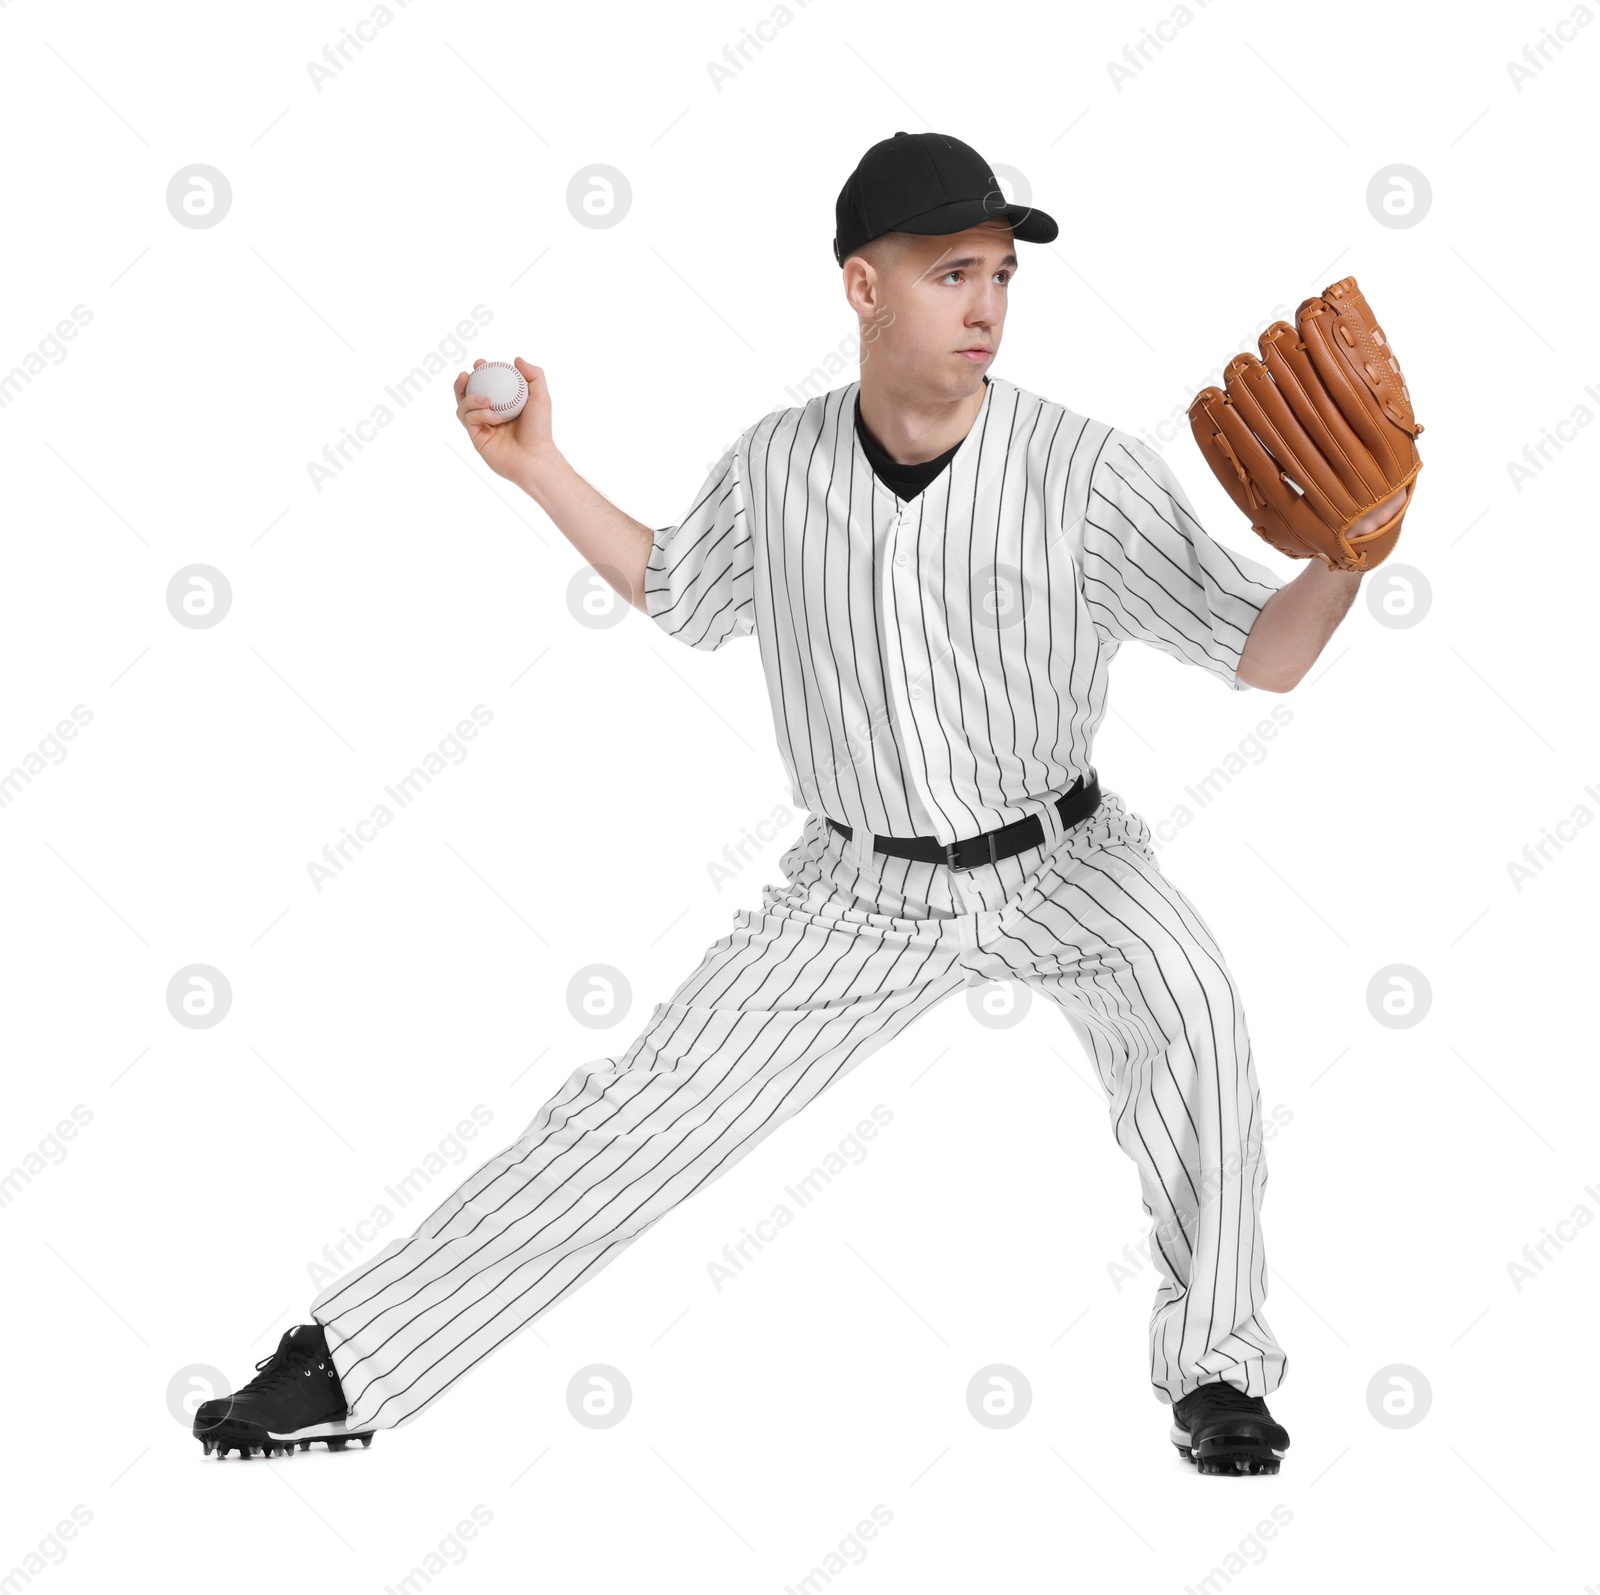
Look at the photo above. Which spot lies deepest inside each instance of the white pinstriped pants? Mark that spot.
(851, 950)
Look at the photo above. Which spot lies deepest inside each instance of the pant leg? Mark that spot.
(791, 1000)
(1145, 988)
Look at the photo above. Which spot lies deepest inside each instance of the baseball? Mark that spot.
(505, 386)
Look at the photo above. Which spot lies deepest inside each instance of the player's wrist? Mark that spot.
(538, 468)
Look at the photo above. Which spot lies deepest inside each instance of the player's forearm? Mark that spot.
(1294, 626)
(614, 543)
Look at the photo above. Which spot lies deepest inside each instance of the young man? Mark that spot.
(939, 568)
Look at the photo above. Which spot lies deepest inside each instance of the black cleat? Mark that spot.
(295, 1398)
(1221, 1430)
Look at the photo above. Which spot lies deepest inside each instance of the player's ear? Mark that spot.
(863, 288)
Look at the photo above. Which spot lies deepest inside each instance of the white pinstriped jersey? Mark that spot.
(938, 667)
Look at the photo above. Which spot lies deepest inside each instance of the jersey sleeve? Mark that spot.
(1152, 573)
(699, 582)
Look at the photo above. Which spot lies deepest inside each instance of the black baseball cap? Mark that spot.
(926, 183)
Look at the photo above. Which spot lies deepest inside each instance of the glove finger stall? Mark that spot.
(1334, 452)
(1246, 471)
(1298, 453)
(1353, 358)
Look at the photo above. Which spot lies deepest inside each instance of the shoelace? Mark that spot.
(1229, 1397)
(280, 1368)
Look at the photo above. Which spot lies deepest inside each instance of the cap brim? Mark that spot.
(1028, 224)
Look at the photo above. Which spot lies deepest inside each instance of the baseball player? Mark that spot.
(938, 567)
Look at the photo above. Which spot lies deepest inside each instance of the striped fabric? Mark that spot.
(847, 953)
(938, 667)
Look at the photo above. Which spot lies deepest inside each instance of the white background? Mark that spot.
(1206, 193)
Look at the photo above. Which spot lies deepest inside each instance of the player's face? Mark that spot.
(949, 297)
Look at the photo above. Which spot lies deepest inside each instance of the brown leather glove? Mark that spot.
(1316, 433)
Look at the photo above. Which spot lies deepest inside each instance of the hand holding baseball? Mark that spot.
(512, 438)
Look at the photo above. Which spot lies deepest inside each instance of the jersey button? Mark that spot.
(902, 558)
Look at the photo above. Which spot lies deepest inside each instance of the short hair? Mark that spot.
(884, 251)
(887, 250)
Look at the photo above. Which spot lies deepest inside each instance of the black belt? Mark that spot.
(1077, 803)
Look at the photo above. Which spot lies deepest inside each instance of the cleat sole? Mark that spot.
(279, 1445)
(1225, 1461)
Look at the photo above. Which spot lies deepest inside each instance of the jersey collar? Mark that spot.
(974, 433)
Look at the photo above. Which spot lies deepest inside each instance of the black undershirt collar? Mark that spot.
(904, 481)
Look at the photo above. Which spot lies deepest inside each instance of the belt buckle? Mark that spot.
(950, 853)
